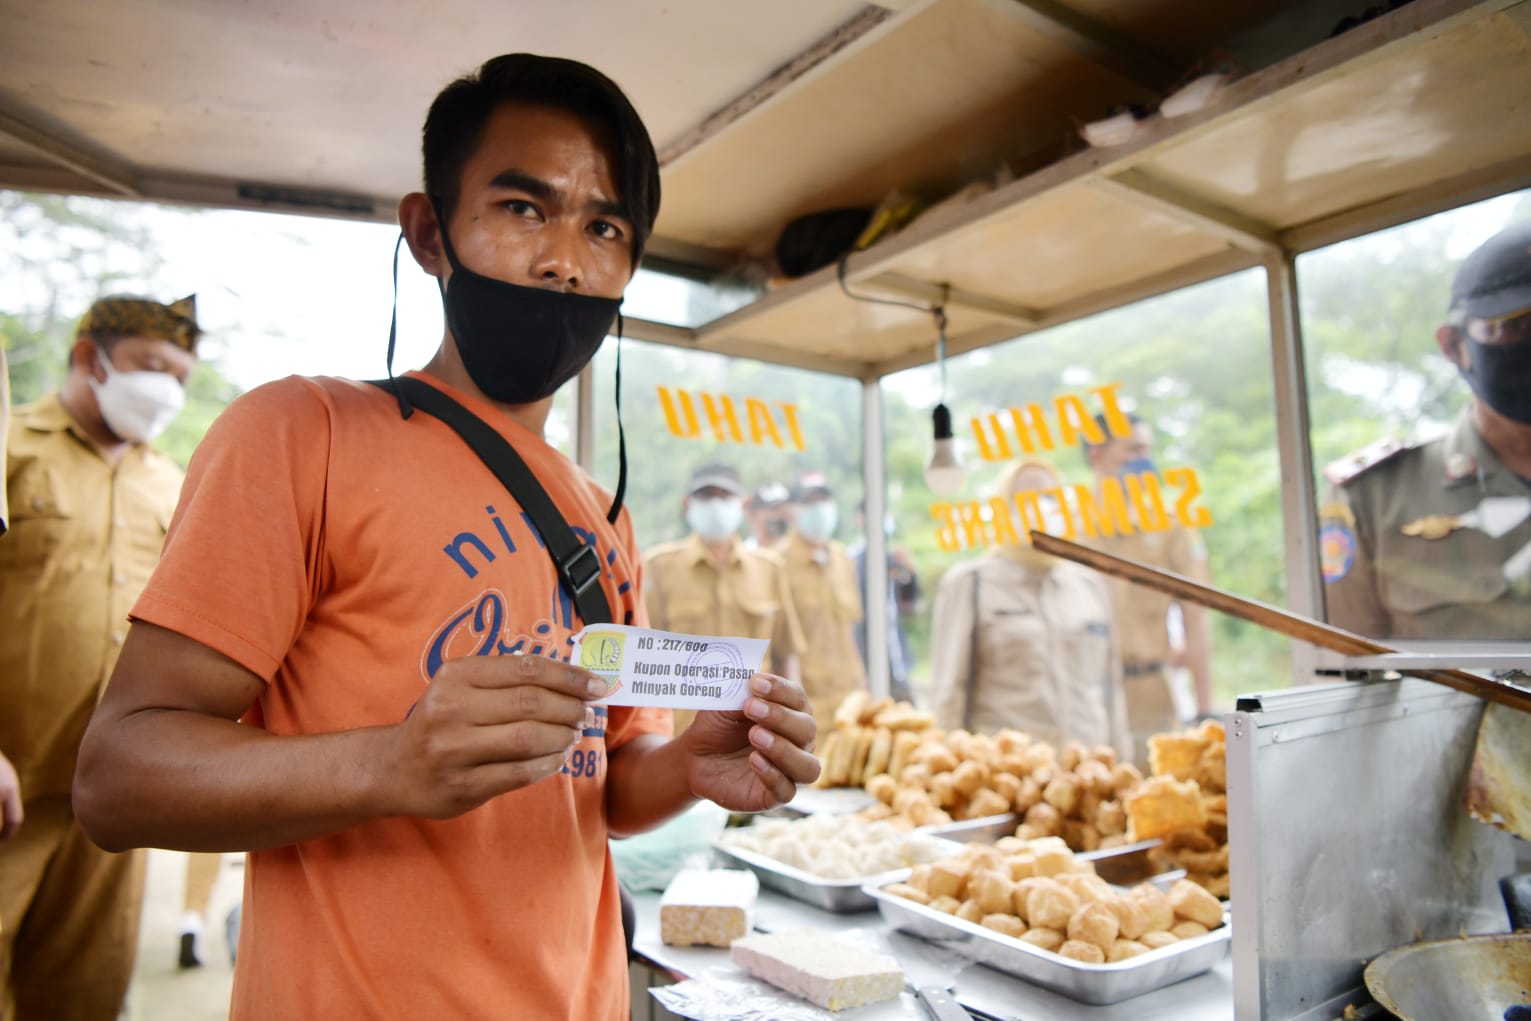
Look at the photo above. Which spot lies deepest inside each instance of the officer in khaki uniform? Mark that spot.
(1433, 540)
(10, 783)
(90, 501)
(827, 596)
(709, 583)
(1148, 655)
(1023, 639)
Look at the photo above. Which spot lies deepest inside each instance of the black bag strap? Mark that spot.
(578, 564)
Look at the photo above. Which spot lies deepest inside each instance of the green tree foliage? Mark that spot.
(59, 254)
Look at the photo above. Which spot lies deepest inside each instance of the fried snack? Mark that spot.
(1211, 770)
(879, 754)
(919, 878)
(1131, 918)
(826, 754)
(861, 747)
(904, 743)
(1217, 886)
(946, 904)
(1043, 819)
(1030, 794)
(1079, 950)
(908, 892)
(1110, 818)
(1124, 777)
(1156, 906)
(1095, 777)
(1175, 755)
(936, 757)
(992, 891)
(902, 716)
(1157, 939)
(882, 788)
(1062, 792)
(1022, 866)
(838, 768)
(1047, 939)
(1124, 950)
(848, 712)
(1005, 924)
(1188, 930)
(946, 879)
(1094, 923)
(1080, 836)
(1162, 805)
(1051, 907)
(1071, 754)
(970, 911)
(870, 711)
(1022, 892)
(1054, 861)
(943, 790)
(1213, 862)
(986, 802)
(1089, 889)
(1192, 903)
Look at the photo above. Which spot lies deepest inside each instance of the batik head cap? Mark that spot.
(125, 315)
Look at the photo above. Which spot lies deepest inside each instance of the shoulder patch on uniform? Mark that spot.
(1336, 550)
(1339, 472)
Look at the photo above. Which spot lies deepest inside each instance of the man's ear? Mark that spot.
(1449, 340)
(82, 356)
(417, 219)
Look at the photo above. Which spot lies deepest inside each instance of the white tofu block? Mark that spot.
(711, 907)
(818, 968)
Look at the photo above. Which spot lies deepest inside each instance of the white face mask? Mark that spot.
(816, 521)
(715, 520)
(137, 406)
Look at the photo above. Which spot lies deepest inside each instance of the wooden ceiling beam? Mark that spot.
(1149, 192)
(119, 177)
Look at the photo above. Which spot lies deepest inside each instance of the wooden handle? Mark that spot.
(1274, 618)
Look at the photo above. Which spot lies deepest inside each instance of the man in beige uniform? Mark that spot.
(1433, 540)
(90, 500)
(1142, 614)
(10, 783)
(822, 578)
(1023, 639)
(710, 584)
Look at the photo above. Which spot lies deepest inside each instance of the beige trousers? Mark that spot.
(70, 912)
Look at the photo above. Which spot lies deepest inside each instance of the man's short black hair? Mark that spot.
(458, 115)
(1105, 427)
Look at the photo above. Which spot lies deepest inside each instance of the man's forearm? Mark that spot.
(646, 784)
(186, 781)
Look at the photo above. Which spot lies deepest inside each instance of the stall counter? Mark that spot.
(988, 993)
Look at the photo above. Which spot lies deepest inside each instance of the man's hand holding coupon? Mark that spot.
(660, 669)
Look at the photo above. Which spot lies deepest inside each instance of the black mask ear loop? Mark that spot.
(616, 502)
(405, 408)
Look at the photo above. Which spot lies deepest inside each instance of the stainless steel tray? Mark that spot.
(839, 895)
(826, 801)
(1087, 983)
(985, 830)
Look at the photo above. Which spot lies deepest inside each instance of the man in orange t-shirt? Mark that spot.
(352, 661)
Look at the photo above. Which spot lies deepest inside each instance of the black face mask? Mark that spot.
(1500, 374)
(520, 344)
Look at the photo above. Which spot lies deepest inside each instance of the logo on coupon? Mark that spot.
(601, 652)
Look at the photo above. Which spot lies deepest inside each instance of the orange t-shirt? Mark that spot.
(342, 554)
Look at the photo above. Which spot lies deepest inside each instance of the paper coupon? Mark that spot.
(660, 669)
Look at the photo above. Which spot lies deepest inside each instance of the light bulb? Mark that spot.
(944, 473)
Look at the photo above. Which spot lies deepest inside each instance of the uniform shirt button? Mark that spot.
(119, 579)
(119, 522)
(116, 638)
